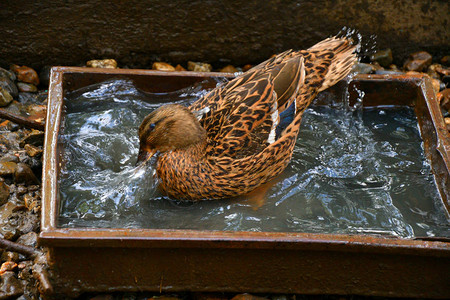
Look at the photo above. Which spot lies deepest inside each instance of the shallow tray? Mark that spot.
(93, 259)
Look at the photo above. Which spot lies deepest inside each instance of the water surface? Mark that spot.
(352, 171)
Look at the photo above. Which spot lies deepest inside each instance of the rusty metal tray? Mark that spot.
(94, 259)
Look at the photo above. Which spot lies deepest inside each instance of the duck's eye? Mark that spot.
(152, 126)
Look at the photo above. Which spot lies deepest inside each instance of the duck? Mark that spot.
(241, 134)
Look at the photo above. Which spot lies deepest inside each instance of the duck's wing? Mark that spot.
(243, 117)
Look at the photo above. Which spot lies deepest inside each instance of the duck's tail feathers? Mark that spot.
(344, 58)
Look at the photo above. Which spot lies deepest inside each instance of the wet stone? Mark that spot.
(102, 63)
(9, 86)
(383, 57)
(229, 69)
(199, 67)
(25, 270)
(362, 68)
(32, 203)
(5, 97)
(442, 70)
(162, 66)
(436, 84)
(27, 87)
(33, 150)
(24, 174)
(246, 67)
(7, 168)
(418, 61)
(10, 286)
(25, 74)
(4, 193)
(246, 296)
(35, 138)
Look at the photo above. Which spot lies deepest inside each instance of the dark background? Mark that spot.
(136, 33)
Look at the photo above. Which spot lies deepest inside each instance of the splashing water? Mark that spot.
(352, 171)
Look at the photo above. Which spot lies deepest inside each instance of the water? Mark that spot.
(353, 171)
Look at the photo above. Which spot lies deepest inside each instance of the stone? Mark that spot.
(383, 57)
(436, 84)
(199, 67)
(35, 138)
(444, 99)
(179, 68)
(25, 74)
(447, 123)
(432, 71)
(362, 68)
(27, 87)
(10, 256)
(10, 286)
(445, 60)
(7, 168)
(228, 69)
(32, 203)
(162, 66)
(25, 270)
(23, 174)
(9, 158)
(29, 239)
(418, 61)
(102, 63)
(33, 150)
(246, 296)
(8, 74)
(246, 67)
(9, 86)
(5, 97)
(4, 193)
(7, 266)
(442, 70)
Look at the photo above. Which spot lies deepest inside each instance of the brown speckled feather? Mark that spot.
(251, 124)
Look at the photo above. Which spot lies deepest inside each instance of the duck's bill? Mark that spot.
(144, 156)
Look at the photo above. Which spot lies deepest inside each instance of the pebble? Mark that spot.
(29, 239)
(7, 168)
(32, 203)
(444, 99)
(179, 68)
(445, 60)
(10, 256)
(418, 61)
(9, 158)
(447, 123)
(199, 67)
(246, 296)
(7, 266)
(102, 63)
(9, 86)
(5, 97)
(162, 66)
(35, 138)
(442, 70)
(10, 286)
(25, 74)
(23, 174)
(383, 57)
(33, 150)
(4, 193)
(246, 67)
(228, 69)
(436, 85)
(27, 87)
(362, 68)
(26, 270)
(7, 74)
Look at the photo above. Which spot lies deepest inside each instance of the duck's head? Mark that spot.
(170, 127)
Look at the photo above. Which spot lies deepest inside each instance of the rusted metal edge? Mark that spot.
(152, 238)
(52, 236)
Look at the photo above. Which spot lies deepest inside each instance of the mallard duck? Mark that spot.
(241, 134)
